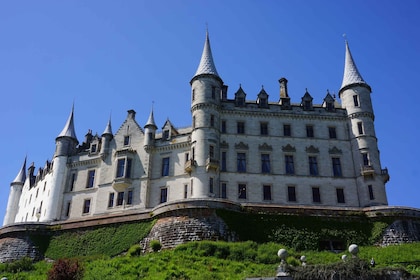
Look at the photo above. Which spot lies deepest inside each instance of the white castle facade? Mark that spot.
(248, 152)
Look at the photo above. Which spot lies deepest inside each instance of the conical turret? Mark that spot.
(106, 139)
(14, 196)
(150, 131)
(66, 141)
(351, 73)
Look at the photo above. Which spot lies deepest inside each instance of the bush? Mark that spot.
(155, 245)
(24, 264)
(134, 251)
(66, 269)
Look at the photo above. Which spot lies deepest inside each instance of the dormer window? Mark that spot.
(307, 101)
(329, 102)
(165, 135)
(240, 97)
(126, 140)
(93, 148)
(262, 99)
(240, 101)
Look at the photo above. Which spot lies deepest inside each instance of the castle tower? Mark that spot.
(66, 144)
(206, 88)
(355, 96)
(150, 132)
(106, 139)
(14, 196)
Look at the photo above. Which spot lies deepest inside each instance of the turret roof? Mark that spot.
(108, 128)
(351, 74)
(206, 63)
(21, 177)
(151, 120)
(68, 130)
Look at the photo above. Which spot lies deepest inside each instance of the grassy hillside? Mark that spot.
(221, 260)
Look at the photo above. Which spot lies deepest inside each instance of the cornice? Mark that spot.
(93, 161)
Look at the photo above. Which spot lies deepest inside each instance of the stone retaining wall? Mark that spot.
(190, 220)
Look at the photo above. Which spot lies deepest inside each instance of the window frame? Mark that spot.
(242, 191)
(291, 194)
(241, 162)
(90, 182)
(163, 194)
(86, 206)
(313, 166)
(287, 130)
(264, 128)
(316, 195)
(267, 193)
(240, 127)
(336, 165)
(340, 195)
(332, 132)
(165, 166)
(310, 131)
(265, 163)
(289, 164)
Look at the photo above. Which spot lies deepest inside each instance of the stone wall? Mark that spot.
(188, 226)
(401, 231)
(14, 248)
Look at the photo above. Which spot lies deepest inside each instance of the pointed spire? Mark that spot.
(351, 74)
(21, 177)
(68, 130)
(108, 128)
(151, 120)
(206, 63)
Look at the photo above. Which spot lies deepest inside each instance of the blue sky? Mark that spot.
(111, 56)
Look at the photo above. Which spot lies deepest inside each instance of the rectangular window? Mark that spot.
(287, 130)
(365, 159)
(120, 168)
(340, 196)
(356, 100)
(290, 167)
(123, 168)
(241, 162)
(187, 156)
(336, 167)
(224, 191)
(309, 131)
(126, 140)
(264, 128)
(223, 126)
(265, 163)
(111, 200)
(165, 166)
(68, 209)
(86, 206)
(93, 148)
(213, 92)
(212, 120)
(193, 124)
(332, 133)
(316, 195)
(211, 151)
(163, 195)
(291, 193)
(165, 135)
(91, 179)
(193, 94)
(240, 127)
(242, 191)
(371, 196)
(211, 187)
(120, 198)
(72, 181)
(313, 166)
(185, 191)
(360, 128)
(223, 165)
(267, 192)
(129, 197)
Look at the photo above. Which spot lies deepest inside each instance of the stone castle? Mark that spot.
(266, 151)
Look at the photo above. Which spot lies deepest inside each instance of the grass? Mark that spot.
(222, 260)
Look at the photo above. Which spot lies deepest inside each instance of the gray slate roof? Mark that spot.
(68, 130)
(206, 63)
(151, 120)
(21, 177)
(108, 128)
(351, 74)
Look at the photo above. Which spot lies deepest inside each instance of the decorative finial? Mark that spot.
(345, 37)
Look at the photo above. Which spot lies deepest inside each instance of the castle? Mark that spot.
(266, 152)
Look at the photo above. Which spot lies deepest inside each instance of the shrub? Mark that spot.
(66, 269)
(24, 264)
(155, 245)
(134, 251)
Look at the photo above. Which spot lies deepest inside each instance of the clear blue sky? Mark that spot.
(111, 56)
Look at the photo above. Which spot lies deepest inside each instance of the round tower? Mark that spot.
(355, 97)
(66, 146)
(106, 140)
(14, 196)
(149, 132)
(206, 86)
